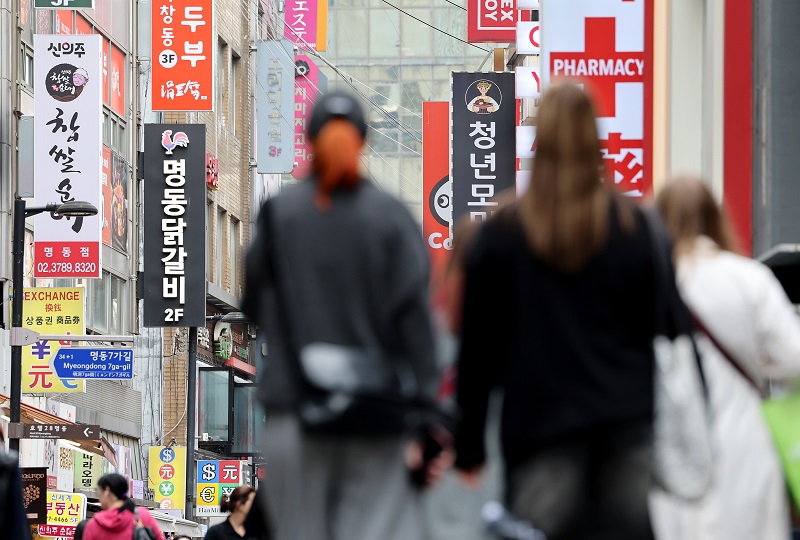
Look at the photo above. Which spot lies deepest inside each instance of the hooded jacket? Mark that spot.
(115, 525)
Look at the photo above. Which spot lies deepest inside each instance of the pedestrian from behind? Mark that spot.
(741, 304)
(238, 504)
(79, 529)
(559, 313)
(117, 520)
(338, 276)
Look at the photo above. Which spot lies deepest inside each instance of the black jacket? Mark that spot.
(572, 352)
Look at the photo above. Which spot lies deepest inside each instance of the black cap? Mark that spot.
(336, 104)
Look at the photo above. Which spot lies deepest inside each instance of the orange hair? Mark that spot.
(336, 152)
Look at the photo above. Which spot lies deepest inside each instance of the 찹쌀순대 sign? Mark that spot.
(67, 151)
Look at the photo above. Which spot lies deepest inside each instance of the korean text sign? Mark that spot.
(601, 43)
(50, 311)
(307, 24)
(305, 94)
(493, 21)
(167, 476)
(275, 94)
(184, 46)
(436, 187)
(88, 470)
(174, 235)
(65, 508)
(67, 152)
(215, 479)
(482, 160)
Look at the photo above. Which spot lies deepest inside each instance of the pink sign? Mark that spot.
(301, 23)
(305, 94)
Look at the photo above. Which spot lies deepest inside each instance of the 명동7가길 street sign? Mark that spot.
(74, 363)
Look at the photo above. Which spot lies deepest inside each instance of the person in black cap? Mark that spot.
(339, 265)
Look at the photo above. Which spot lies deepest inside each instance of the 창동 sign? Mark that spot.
(55, 311)
(183, 48)
(602, 43)
(174, 235)
(67, 151)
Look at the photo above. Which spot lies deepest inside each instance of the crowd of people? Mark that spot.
(556, 301)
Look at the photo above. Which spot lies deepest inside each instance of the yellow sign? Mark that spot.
(65, 508)
(50, 311)
(167, 476)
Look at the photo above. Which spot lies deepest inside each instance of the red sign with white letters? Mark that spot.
(493, 21)
(183, 45)
(608, 48)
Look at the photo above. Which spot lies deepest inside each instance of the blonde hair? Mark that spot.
(565, 211)
(690, 210)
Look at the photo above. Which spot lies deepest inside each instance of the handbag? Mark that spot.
(782, 415)
(682, 450)
(140, 532)
(345, 390)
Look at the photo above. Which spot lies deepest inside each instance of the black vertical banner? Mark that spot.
(483, 120)
(174, 225)
(34, 494)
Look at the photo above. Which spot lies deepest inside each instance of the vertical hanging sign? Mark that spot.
(483, 118)
(174, 235)
(183, 49)
(67, 151)
(275, 100)
(436, 187)
(305, 94)
(605, 44)
(306, 24)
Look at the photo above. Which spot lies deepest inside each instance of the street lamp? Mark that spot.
(72, 208)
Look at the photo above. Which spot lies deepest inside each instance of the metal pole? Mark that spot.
(191, 440)
(16, 315)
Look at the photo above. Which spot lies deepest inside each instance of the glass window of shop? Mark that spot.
(213, 403)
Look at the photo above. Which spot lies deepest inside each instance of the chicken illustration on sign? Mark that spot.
(170, 142)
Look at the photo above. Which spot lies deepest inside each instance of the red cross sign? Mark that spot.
(606, 45)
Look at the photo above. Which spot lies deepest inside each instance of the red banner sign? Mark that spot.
(436, 189)
(493, 21)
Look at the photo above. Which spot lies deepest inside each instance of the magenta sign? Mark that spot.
(301, 23)
(305, 94)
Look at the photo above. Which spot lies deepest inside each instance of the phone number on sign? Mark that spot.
(66, 267)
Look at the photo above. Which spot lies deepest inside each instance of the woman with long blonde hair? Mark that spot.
(754, 335)
(559, 313)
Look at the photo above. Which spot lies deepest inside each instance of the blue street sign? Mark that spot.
(74, 363)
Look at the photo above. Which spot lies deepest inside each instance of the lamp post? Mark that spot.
(191, 398)
(72, 208)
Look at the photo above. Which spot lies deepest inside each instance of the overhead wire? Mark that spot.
(459, 7)
(305, 76)
(434, 27)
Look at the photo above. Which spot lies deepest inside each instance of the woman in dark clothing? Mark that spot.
(558, 312)
(238, 504)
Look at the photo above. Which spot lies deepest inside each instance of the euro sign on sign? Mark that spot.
(208, 494)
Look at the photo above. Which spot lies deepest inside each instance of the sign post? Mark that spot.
(51, 432)
(80, 363)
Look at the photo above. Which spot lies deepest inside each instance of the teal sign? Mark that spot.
(63, 4)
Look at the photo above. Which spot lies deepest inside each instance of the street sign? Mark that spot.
(75, 432)
(63, 4)
(79, 363)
